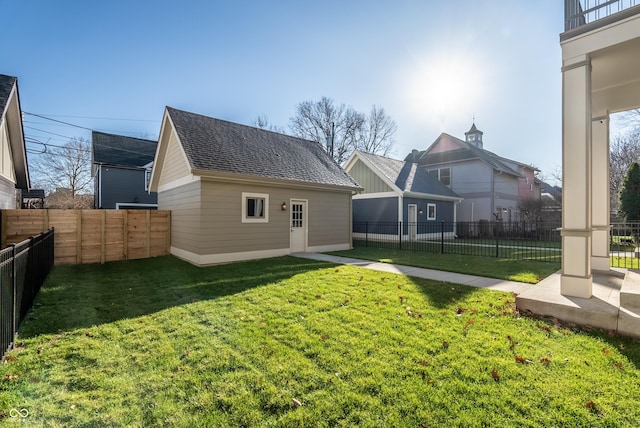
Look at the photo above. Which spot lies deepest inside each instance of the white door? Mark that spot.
(298, 237)
(412, 217)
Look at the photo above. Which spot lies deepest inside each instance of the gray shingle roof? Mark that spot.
(467, 151)
(408, 176)
(6, 85)
(121, 150)
(217, 145)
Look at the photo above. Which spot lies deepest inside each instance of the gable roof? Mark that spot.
(407, 176)
(214, 145)
(6, 86)
(121, 150)
(465, 152)
(11, 112)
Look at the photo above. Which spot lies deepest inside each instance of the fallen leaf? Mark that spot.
(401, 298)
(495, 375)
(545, 361)
(323, 337)
(39, 351)
(263, 324)
(10, 359)
(337, 270)
(590, 405)
(295, 401)
(87, 334)
(445, 344)
(423, 375)
(621, 346)
(318, 296)
(424, 363)
(522, 360)
(617, 365)
(606, 351)
(460, 311)
(12, 377)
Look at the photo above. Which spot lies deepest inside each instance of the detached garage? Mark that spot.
(237, 192)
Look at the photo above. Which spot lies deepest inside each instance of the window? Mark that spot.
(255, 208)
(445, 176)
(442, 174)
(147, 178)
(431, 211)
(471, 137)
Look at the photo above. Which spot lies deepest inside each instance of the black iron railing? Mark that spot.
(512, 240)
(581, 12)
(23, 269)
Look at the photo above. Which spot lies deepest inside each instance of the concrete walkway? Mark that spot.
(436, 275)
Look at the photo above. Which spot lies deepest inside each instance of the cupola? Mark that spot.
(474, 136)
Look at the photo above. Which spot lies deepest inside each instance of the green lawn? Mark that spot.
(529, 271)
(292, 342)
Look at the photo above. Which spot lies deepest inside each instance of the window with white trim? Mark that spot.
(431, 211)
(255, 207)
(147, 178)
(442, 174)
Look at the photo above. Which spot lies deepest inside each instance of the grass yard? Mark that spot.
(290, 342)
(528, 271)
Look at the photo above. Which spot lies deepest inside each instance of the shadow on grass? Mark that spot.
(81, 296)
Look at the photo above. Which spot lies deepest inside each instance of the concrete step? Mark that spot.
(630, 292)
(628, 323)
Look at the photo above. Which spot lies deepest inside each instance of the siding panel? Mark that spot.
(367, 178)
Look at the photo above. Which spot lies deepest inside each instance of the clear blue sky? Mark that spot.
(432, 65)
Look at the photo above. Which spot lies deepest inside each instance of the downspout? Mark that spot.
(100, 186)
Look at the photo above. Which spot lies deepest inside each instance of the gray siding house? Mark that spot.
(398, 191)
(490, 185)
(237, 193)
(14, 173)
(121, 167)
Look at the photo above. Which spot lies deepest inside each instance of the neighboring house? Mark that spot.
(14, 173)
(121, 167)
(397, 191)
(490, 185)
(236, 192)
(33, 199)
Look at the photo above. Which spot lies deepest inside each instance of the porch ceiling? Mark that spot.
(615, 78)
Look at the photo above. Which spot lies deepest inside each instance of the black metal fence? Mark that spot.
(23, 269)
(512, 240)
(624, 240)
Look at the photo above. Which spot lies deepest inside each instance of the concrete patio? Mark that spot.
(614, 305)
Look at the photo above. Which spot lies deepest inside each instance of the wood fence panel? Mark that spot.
(93, 236)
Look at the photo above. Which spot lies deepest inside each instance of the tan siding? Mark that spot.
(175, 165)
(184, 203)
(222, 224)
(329, 218)
(368, 179)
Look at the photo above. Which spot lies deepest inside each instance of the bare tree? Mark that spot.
(624, 150)
(262, 122)
(66, 168)
(377, 132)
(342, 129)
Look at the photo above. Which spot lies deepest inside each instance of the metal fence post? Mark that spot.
(442, 237)
(15, 296)
(400, 236)
(366, 234)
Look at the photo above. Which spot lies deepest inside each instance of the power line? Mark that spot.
(56, 120)
(47, 116)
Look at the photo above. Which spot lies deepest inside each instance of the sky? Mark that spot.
(434, 66)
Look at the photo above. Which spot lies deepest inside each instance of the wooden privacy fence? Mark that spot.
(93, 236)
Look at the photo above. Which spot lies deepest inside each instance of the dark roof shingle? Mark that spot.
(6, 85)
(121, 150)
(408, 176)
(217, 145)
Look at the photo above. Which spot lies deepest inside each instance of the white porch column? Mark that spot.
(600, 193)
(576, 279)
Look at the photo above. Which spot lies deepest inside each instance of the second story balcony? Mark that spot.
(581, 16)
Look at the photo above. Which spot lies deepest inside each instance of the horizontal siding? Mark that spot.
(175, 165)
(367, 178)
(329, 218)
(223, 231)
(7, 194)
(184, 203)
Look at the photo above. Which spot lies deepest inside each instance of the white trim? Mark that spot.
(133, 204)
(327, 248)
(431, 196)
(214, 259)
(243, 213)
(187, 179)
(374, 169)
(376, 195)
(305, 221)
(434, 212)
